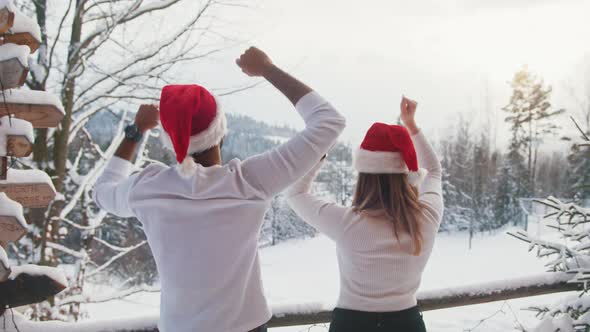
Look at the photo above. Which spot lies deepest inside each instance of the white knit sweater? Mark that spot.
(378, 273)
(203, 231)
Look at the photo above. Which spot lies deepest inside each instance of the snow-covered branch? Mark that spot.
(113, 259)
(66, 250)
(94, 298)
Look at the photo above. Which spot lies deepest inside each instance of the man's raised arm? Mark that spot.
(275, 170)
(111, 190)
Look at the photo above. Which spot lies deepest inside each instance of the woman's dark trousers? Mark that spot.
(409, 320)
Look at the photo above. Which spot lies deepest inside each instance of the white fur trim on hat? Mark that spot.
(211, 136)
(379, 162)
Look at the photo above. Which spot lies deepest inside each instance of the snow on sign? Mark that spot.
(13, 65)
(24, 31)
(31, 188)
(42, 109)
(16, 137)
(12, 221)
(6, 15)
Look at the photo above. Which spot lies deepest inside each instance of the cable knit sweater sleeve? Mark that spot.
(431, 188)
(272, 172)
(325, 216)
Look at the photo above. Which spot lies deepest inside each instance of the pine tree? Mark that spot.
(482, 175)
(505, 204)
(529, 109)
(579, 167)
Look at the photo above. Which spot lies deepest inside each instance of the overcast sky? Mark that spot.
(454, 56)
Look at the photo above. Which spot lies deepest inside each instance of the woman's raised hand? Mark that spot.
(408, 112)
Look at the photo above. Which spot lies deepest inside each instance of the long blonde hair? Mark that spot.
(393, 194)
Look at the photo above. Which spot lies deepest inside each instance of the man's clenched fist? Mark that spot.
(254, 62)
(147, 117)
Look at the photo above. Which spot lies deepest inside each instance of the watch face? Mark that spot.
(132, 133)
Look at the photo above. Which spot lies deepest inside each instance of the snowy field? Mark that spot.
(303, 274)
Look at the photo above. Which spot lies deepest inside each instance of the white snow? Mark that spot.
(11, 208)
(24, 325)
(23, 23)
(475, 288)
(21, 96)
(36, 270)
(27, 176)
(8, 4)
(277, 139)
(301, 276)
(3, 259)
(11, 51)
(15, 127)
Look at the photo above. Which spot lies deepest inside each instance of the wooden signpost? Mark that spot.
(13, 73)
(41, 116)
(19, 146)
(30, 195)
(31, 188)
(22, 38)
(23, 32)
(11, 230)
(23, 110)
(30, 284)
(6, 19)
(12, 222)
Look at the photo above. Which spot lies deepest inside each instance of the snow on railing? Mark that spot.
(315, 313)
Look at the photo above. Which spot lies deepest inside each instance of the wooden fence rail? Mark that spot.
(429, 300)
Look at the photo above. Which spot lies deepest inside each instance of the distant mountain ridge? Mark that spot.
(246, 137)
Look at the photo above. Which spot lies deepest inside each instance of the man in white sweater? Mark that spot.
(202, 219)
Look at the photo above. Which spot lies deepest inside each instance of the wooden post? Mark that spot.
(3, 168)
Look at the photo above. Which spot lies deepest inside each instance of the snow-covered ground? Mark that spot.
(305, 272)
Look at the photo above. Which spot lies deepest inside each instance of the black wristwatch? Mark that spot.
(133, 133)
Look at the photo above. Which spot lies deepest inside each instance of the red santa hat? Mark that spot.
(192, 120)
(388, 149)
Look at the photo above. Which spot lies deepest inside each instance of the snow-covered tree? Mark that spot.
(338, 175)
(282, 224)
(93, 57)
(571, 254)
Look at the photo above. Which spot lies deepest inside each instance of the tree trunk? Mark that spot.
(62, 135)
(530, 143)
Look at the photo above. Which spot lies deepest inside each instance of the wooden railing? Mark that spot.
(429, 300)
(457, 297)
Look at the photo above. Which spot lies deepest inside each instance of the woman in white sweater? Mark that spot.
(385, 238)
